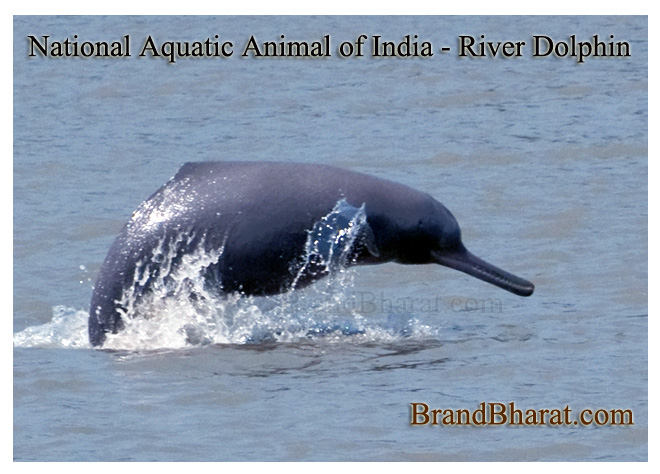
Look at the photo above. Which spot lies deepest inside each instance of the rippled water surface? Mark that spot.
(542, 161)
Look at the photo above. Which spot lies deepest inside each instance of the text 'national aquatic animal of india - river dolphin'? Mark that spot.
(268, 228)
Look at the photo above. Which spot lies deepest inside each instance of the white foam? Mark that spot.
(67, 329)
(311, 316)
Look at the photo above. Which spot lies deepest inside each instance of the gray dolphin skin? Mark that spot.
(257, 216)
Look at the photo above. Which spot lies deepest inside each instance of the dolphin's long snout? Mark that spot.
(466, 262)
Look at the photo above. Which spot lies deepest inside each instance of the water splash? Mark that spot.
(307, 318)
(331, 243)
(67, 329)
(181, 309)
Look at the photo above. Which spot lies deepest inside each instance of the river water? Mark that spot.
(543, 161)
